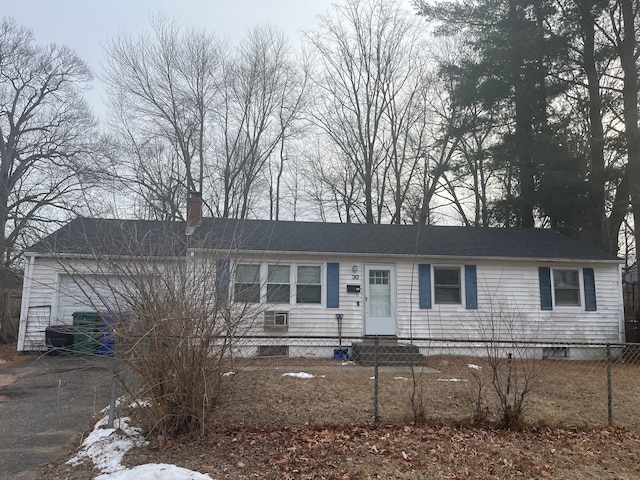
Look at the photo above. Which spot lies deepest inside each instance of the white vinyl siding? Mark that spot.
(508, 292)
(512, 284)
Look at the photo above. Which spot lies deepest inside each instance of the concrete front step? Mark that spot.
(389, 354)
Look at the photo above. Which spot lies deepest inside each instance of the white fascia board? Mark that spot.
(405, 256)
(84, 256)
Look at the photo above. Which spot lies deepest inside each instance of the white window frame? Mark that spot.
(461, 286)
(267, 283)
(295, 283)
(235, 281)
(580, 303)
(263, 272)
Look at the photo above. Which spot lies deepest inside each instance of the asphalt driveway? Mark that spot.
(45, 402)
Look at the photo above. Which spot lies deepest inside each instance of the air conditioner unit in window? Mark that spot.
(276, 319)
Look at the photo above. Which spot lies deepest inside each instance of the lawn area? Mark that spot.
(285, 426)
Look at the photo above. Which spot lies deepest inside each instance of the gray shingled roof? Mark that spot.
(91, 236)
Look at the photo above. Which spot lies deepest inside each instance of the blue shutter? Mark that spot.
(424, 285)
(544, 273)
(333, 285)
(222, 280)
(470, 287)
(589, 290)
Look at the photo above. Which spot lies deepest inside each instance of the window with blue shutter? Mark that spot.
(333, 285)
(470, 287)
(589, 290)
(424, 285)
(546, 301)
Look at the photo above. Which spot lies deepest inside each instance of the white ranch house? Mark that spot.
(429, 282)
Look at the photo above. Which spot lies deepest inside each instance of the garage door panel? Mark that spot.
(86, 293)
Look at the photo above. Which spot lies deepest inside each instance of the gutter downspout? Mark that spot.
(24, 307)
(621, 328)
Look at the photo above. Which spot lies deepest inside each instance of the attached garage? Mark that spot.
(56, 306)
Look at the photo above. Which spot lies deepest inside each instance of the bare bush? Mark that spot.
(417, 396)
(178, 335)
(514, 371)
(172, 324)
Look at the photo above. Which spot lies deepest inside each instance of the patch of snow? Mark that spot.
(106, 447)
(154, 471)
(452, 380)
(400, 378)
(228, 374)
(2, 361)
(474, 367)
(298, 375)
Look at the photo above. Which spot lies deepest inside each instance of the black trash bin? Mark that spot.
(59, 339)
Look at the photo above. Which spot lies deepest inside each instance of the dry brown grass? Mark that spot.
(281, 427)
(568, 394)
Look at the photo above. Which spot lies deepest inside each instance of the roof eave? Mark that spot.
(405, 255)
(88, 256)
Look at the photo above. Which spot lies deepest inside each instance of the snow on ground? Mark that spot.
(154, 471)
(106, 448)
(474, 367)
(298, 375)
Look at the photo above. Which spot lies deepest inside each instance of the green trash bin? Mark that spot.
(86, 333)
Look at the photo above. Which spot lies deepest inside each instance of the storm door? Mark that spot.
(379, 305)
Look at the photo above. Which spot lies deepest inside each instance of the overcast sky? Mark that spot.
(86, 25)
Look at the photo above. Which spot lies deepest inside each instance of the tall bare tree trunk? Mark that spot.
(630, 100)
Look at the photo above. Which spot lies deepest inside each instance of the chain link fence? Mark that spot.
(395, 381)
(279, 380)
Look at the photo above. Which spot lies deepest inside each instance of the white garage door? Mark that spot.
(86, 293)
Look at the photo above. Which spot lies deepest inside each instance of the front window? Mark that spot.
(247, 284)
(278, 287)
(447, 285)
(308, 286)
(566, 287)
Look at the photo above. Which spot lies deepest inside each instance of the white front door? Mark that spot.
(379, 304)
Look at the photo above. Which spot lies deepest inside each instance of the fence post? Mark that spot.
(112, 400)
(609, 395)
(376, 359)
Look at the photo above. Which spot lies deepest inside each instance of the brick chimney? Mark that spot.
(194, 211)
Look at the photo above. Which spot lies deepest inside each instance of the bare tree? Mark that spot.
(368, 73)
(624, 20)
(45, 133)
(260, 104)
(334, 186)
(162, 88)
